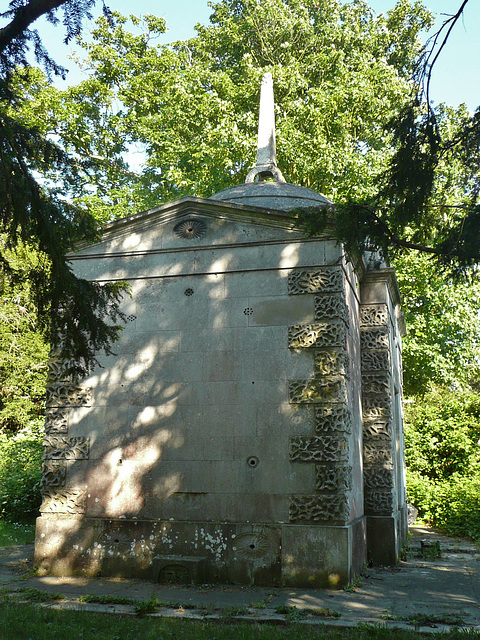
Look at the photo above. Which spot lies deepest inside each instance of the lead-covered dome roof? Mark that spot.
(279, 196)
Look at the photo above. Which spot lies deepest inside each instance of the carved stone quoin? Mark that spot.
(318, 448)
(60, 371)
(377, 454)
(65, 395)
(318, 280)
(318, 508)
(377, 383)
(376, 479)
(375, 407)
(377, 360)
(54, 474)
(65, 448)
(64, 501)
(316, 390)
(375, 315)
(374, 338)
(333, 418)
(318, 334)
(331, 306)
(56, 420)
(332, 362)
(377, 429)
(333, 478)
(378, 502)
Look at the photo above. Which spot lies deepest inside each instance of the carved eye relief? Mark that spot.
(190, 229)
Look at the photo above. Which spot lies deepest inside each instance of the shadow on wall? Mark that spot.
(188, 422)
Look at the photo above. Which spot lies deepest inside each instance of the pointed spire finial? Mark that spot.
(266, 166)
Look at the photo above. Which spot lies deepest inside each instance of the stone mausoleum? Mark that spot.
(249, 427)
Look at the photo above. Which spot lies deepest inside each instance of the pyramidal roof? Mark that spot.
(265, 185)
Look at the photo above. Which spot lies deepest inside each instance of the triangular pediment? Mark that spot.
(190, 223)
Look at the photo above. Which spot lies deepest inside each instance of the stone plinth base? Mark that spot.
(186, 552)
(387, 536)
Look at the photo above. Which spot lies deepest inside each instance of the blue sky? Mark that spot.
(456, 78)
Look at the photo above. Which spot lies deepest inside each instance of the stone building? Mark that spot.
(249, 427)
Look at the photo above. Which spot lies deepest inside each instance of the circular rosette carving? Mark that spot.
(253, 545)
(190, 229)
(116, 541)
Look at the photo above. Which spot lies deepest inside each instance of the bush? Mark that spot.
(442, 431)
(20, 473)
(452, 505)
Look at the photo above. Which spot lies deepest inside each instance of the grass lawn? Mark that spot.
(16, 533)
(27, 622)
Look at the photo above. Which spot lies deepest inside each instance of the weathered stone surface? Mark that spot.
(318, 334)
(319, 508)
(331, 306)
(335, 478)
(320, 280)
(70, 501)
(318, 390)
(375, 315)
(64, 448)
(238, 328)
(332, 418)
(332, 362)
(318, 449)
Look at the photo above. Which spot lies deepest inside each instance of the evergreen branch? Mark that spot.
(23, 17)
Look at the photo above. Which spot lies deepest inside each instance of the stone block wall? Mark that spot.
(227, 428)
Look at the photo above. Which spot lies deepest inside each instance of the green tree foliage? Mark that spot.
(34, 210)
(340, 75)
(442, 433)
(442, 345)
(23, 353)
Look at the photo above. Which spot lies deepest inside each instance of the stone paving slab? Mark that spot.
(434, 592)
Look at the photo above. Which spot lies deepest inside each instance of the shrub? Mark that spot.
(442, 431)
(20, 473)
(452, 505)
